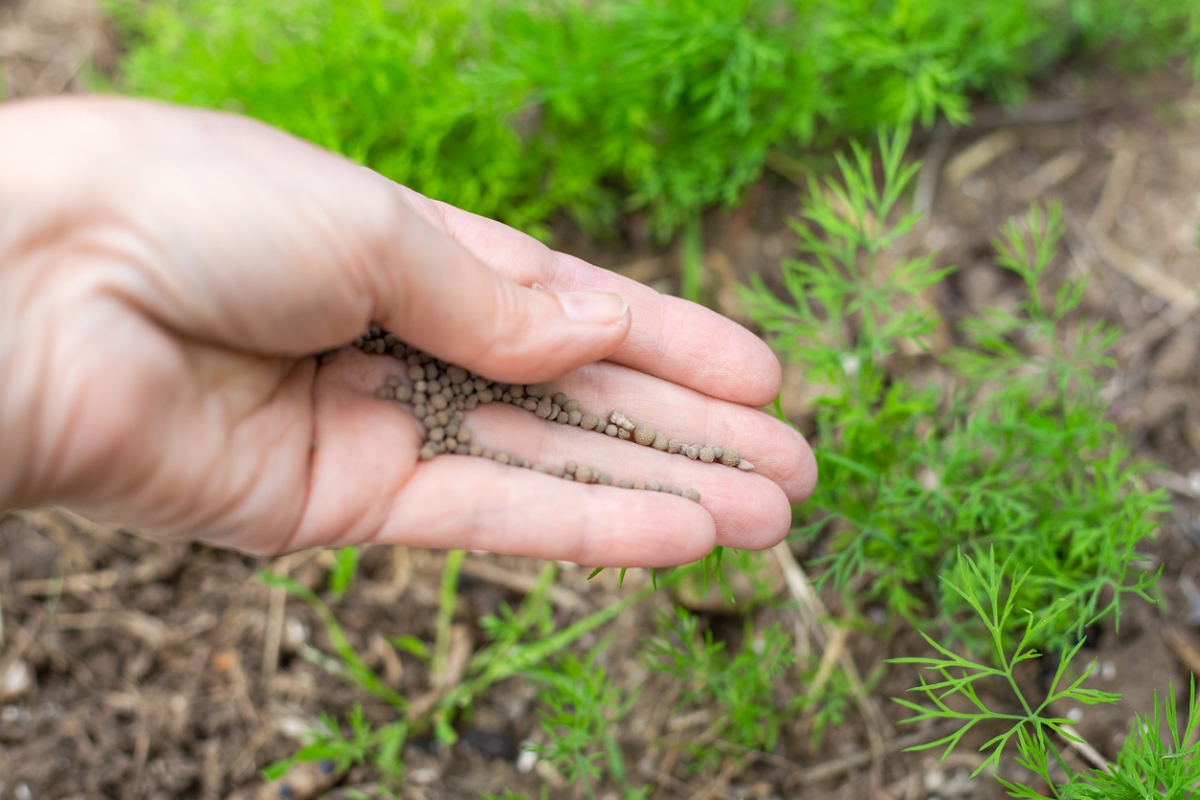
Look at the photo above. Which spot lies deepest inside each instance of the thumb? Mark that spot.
(434, 294)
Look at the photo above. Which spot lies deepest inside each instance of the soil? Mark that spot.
(141, 669)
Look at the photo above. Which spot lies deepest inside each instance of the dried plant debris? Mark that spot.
(441, 395)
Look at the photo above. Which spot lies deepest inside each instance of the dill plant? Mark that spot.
(1011, 453)
(520, 110)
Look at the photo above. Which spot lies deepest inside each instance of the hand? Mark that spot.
(166, 274)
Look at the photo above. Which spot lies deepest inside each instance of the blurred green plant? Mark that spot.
(1011, 451)
(743, 690)
(517, 110)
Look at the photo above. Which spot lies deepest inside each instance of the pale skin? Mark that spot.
(167, 274)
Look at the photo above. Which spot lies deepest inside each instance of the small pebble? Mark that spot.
(653, 486)
(393, 382)
(624, 434)
(385, 393)
(516, 461)
(431, 371)
(570, 467)
(560, 399)
(416, 373)
(692, 451)
(707, 455)
(463, 435)
(605, 479)
(611, 430)
(487, 454)
(745, 466)
(626, 483)
(675, 490)
(674, 446)
(563, 417)
(570, 405)
(462, 450)
(486, 396)
(536, 390)
(692, 494)
(404, 393)
(574, 417)
(557, 472)
(644, 435)
(538, 468)
(476, 450)
(660, 441)
(584, 474)
(506, 398)
(428, 452)
(589, 422)
(437, 434)
(501, 457)
(438, 402)
(568, 477)
(718, 452)
(434, 387)
(639, 485)
(543, 408)
(517, 391)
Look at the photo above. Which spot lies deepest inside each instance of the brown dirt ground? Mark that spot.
(156, 670)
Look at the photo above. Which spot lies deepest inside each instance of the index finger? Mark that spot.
(671, 338)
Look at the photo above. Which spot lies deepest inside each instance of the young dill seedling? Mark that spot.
(581, 708)
(1015, 455)
(742, 689)
(1157, 759)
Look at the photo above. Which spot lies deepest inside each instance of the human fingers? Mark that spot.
(674, 339)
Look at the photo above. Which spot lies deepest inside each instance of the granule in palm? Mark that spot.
(506, 398)
(675, 490)
(456, 375)
(538, 468)
(644, 435)
(452, 430)
(516, 461)
(570, 467)
(385, 393)
(581, 474)
(745, 466)
(421, 386)
(660, 441)
(481, 384)
(571, 405)
(589, 422)
(560, 399)
(555, 410)
(537, 390)
(543, 409)
(431, 371)
(486, 396)
(557, 472)
(430, 422)
(730, 456)
(475, 450)
(501, 457)
(414, 360)
(692, 494)
(574, 417)
(529, 404)
(416, 373)
(516, 390)
(392, 382)
(486, 454)
(652, 486)
(639, 485)
(443, 418)
(438, 402)
(707, 455)
(605, 479)
(434, 387)
(464, 434)
(563, 418)
(404, 393)
(692, 451)
(568, 477)
(611, 430)
(624, 434)
(674, 446)
(428, 452)
(437, 434)
(626, 483)
(462, 450)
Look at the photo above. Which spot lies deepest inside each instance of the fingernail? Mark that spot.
(597, 308)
